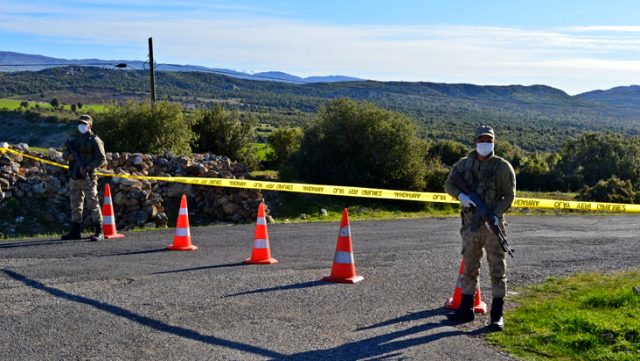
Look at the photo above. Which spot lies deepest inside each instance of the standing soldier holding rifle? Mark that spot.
(485, 185)
(85, 152)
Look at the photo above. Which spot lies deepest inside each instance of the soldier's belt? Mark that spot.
(357, 191)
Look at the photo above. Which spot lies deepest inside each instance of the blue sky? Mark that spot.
(575, 46)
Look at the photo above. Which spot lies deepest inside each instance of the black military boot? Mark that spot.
(75, 233)
(497, 321)
(98, 236)
(465, 312)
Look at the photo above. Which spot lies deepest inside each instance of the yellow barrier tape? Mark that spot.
(359, 191)
(5, 150)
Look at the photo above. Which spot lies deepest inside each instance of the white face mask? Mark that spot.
(484, 149)
(83, 128)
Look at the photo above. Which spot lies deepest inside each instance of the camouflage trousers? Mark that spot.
(473, 243)
(81, 190)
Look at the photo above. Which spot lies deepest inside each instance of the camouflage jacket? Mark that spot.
(493, 179)
(90, 149)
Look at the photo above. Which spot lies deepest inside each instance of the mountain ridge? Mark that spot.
(536, 117)
(35, 62)
(626, 96)
(621, 96)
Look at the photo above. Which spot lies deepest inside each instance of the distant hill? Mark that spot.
(28, 62)
(537, 118)
(278, 75)
(622, 96)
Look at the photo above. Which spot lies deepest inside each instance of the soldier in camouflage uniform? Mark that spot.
(85, 152)
(494, 180)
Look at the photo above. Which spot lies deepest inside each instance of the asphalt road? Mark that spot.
(129, 299)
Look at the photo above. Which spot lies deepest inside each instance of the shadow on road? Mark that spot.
(294, 286)
(143, 320)
(413, 316)
(146, 251)
(385, 346)
(41, 242)
(380, 347)
(201, 268)
(390, 345)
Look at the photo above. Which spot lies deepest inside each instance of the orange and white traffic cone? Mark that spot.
(344, 268)
(182, 238)
(454, 302)
(261, 254)
(109, 216)
(478, 304)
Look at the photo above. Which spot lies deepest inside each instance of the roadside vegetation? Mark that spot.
(590, 316)
(323, 139)
(355, 143)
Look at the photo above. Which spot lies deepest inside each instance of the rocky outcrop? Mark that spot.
(137, 203)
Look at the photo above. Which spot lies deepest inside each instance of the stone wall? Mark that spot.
(137, 203)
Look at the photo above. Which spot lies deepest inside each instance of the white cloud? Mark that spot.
(620, 29)
(574, 59)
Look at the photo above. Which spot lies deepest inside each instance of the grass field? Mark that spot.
(263, 150)
(264, 129)
(584, 317)
(9, 103)
(13, 104)
(41, 150)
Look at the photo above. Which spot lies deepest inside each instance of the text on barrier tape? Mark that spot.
(359, 191)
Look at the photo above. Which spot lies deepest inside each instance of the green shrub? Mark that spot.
(436, 175)
(359, 144)
(596, 156)
(225, 133)
(612, 190)
(145, 128)
(510, 152)
(448, 151)
(537, 172)
(285, 141)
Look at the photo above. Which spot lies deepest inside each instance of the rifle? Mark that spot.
(76, 168)
(481, 210)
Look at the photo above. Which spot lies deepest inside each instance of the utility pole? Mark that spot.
(151, 73)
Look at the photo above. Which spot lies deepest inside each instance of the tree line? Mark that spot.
(441, 111)
(356, 143)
